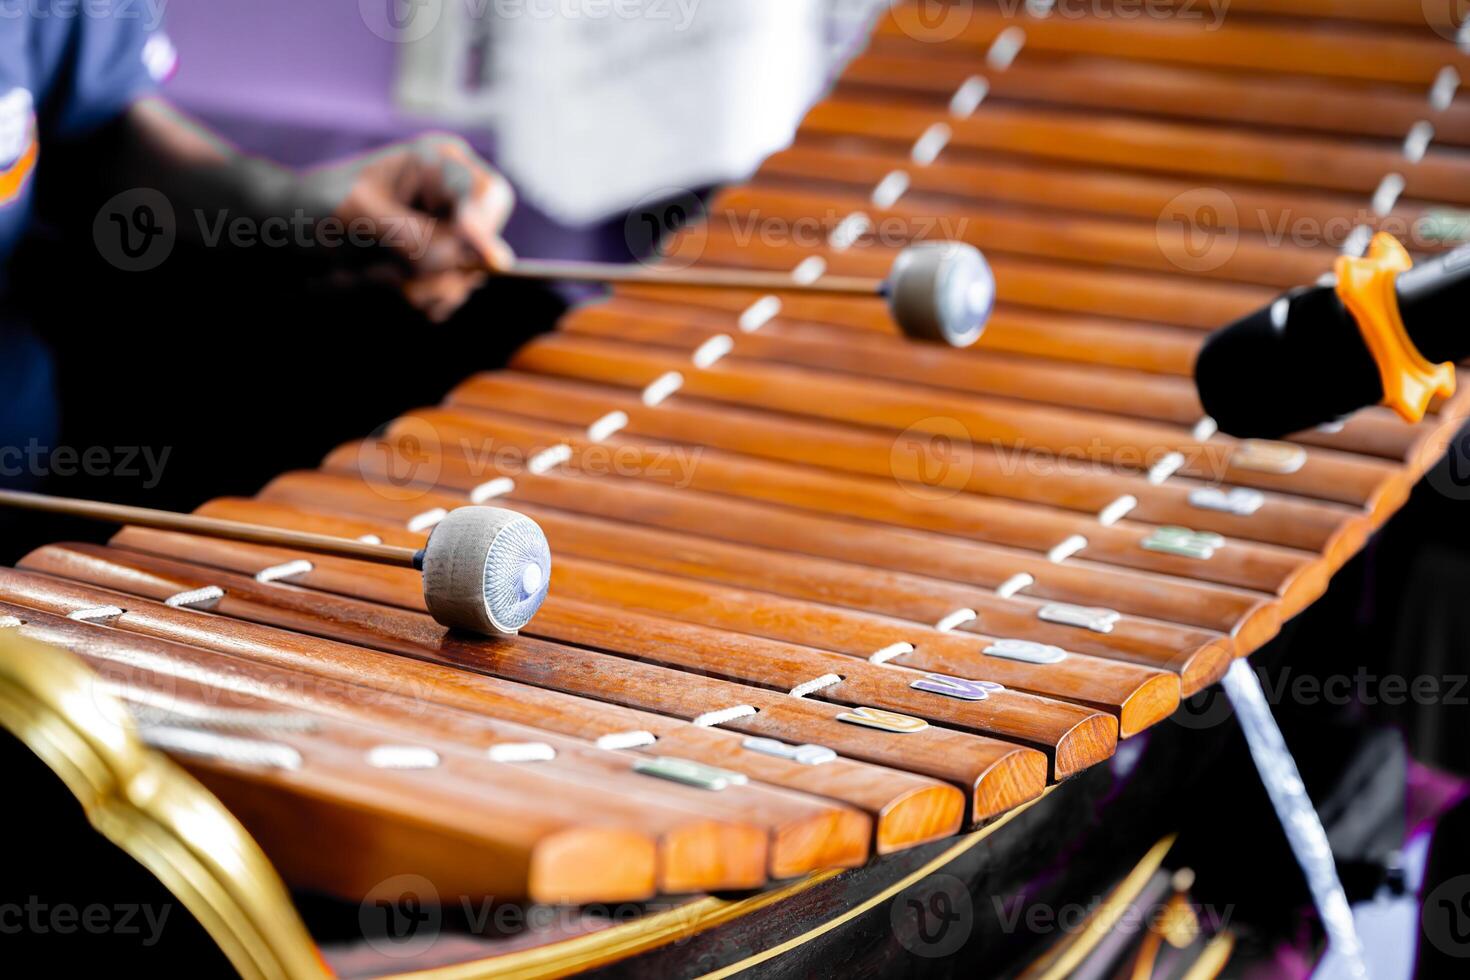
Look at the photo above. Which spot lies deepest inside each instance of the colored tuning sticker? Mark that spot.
(888, 721)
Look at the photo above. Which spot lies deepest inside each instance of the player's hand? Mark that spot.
(437, 208)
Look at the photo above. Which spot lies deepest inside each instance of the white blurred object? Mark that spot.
(598, 105)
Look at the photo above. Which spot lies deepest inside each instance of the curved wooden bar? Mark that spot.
(1267, 46)
(997, 775)
(1076, 79)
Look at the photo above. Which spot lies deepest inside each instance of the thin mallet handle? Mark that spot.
(211, 527)
(701, 278)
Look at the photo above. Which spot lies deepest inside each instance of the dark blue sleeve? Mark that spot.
(116, 55)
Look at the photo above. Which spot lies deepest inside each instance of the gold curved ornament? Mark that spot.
(145, 804)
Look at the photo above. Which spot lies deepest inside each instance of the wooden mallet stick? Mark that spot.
(485, 569)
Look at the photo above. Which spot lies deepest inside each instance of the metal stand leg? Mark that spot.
(1295, 811)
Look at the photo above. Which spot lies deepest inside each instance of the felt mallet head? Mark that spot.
(486, 570)
(941, 291)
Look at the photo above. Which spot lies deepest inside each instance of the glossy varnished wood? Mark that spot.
(704, 840)
(1372, 432)
(1250, 617)
(1286, 100)
(1337, 51)
(474, 674)
(1198, 657)
(1073, 736)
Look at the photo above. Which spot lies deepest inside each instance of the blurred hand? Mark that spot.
(438, 207)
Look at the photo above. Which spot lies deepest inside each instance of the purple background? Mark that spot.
(305, 81)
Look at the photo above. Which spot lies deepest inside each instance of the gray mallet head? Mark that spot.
(486, 570)
(941, 291)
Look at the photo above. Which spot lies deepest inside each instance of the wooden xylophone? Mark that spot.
(820, 593)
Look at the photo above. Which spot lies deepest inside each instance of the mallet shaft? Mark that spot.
(701, 278)
(210, 527)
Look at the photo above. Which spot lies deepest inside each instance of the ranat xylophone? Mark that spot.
(821, 593)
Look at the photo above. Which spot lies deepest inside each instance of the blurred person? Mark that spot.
(78, 86)
(291, 312)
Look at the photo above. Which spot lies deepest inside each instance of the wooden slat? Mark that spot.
(1067, 287)
(1273, 215)
(1340, 107)
(1250, 617)
(1163, 147)
(1073, 737)
(545, 684)
(976, 370)
(1138, 696)
(1056, 432)
(938, 467)
(1112, 242)
(1440, 17)
(690, 825)
(526, 817)
(1250, 44)
(1197, 657)
(1062, 336)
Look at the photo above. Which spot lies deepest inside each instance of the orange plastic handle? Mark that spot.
(1366, 287)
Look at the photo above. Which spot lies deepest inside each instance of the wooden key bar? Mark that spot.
(1125, 142)
(526, 839)
(1062, 336)
(995, 775)
(1072, 238)
(1141, 347)
(1056, 432)
(1290, 574)
(1198, 657)
(693, 826)
(1072, 736)
(1274, 214)
(1251, 618)
(938, 466)
(1369, 11)
(1149, 297)
(1139, 696)
(613, 780)
(1244, 43)
(1342, 108)
(975, 370)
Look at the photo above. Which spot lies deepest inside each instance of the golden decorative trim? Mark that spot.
(1068, 955)
(153, 810)
(620, 942)
(1213, 959)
